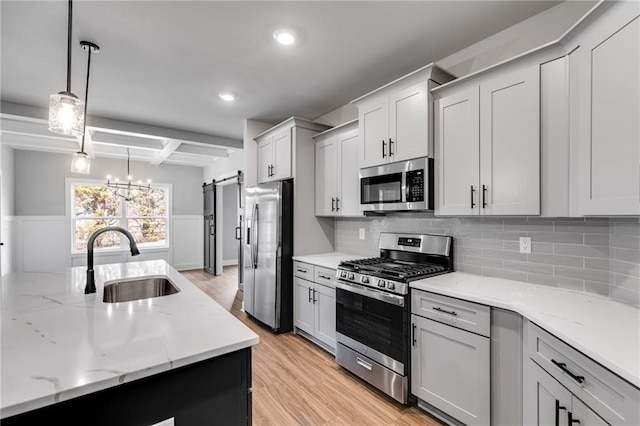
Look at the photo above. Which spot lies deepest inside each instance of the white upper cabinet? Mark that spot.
(337, 180)
(458, 158)
(274, 156)
(608, 75)
(395, 120)
(488, 145)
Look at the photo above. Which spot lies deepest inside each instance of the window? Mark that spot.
(95, 206)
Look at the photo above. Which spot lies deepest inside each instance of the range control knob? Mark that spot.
(343, 274)
(365, 280)
(351, 276)
(381, 283)
(391, 286)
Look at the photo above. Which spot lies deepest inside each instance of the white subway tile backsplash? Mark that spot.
(596, 255)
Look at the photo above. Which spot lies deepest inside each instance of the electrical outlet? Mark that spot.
(525, 244)
(362, 233)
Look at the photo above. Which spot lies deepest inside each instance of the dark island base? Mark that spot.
(212, 392)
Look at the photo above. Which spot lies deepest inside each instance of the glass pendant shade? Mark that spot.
(81, 163)
(66, 114)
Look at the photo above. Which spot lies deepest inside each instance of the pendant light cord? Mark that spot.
(86, 100)
(69, 46)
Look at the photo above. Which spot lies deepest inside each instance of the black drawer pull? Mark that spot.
(558, 408)
(562, 366)
(324, 276)
(413, 335)
(455, 314)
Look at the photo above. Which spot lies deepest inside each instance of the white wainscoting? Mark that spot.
(43, 244)
(7, 260)
(187, 241)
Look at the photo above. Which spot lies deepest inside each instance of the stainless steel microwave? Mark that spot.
(401, 186)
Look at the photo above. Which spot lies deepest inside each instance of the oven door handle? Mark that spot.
(372, 293)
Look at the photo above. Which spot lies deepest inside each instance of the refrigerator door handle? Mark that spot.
(255, 238)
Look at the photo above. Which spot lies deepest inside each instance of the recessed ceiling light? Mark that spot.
(226, 96)
(284, 36)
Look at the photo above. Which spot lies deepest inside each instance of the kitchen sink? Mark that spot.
(137, 289)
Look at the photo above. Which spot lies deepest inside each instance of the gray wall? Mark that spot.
(8, 171)
(596, 255)
(229, 222)
(40, 181)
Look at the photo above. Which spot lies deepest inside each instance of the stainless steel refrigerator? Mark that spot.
(268, 248)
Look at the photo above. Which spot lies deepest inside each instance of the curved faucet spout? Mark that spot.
(90, 287)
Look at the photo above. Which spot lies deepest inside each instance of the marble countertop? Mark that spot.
(605, 330)
(327, 260)
(58, 343)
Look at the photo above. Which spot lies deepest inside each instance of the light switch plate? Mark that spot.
(362, 233)
(525, 244)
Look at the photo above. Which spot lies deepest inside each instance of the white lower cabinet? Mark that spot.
(547, 402)
(315, 305)
(563, 387)
(450, 367)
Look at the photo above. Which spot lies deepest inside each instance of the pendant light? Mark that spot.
(81, 162)
(129, 186)
(65, 109)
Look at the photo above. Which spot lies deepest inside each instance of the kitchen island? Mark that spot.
(67, 355)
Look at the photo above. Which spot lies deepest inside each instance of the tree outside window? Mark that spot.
(96, 206)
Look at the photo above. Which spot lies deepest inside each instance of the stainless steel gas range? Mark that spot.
(372, 307)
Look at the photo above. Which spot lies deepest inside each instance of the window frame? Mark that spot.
(71, 183)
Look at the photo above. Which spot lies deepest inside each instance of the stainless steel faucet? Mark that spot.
(91, 283)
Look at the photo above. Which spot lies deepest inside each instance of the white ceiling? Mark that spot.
(162, 63)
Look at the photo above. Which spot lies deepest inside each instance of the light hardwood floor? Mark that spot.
(296, 382)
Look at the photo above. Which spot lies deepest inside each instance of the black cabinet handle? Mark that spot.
(309, 294)
(384, 144)
(562, 366)
(390, 147)
(439, 309)
(572, 420)
(413, 335)
(473, 191)
(558, 408)
(333, 201)
(314, 296)
(484, 196)
(337, 204)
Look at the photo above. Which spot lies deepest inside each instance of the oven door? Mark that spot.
(374, 320)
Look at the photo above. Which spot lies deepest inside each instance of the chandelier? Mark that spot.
(128, 190)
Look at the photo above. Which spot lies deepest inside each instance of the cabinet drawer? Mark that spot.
(325, 276)
(303, 270)
(447, 310)
(615, 400)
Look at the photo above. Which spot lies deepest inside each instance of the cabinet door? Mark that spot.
(325, 315)
(348, 178)
(265, 159)
(304, 315)
(546, 402)
(282, 155)
(609, 128)
(409, 123)
(510, 143)
(450, 370)
(326, 170)
(374, 132)
(585, 415)
(458, 153)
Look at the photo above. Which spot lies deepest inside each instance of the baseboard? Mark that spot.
(187, 266)
(230, 262)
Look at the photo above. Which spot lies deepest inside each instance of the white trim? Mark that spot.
(230, 262)
(188, 266)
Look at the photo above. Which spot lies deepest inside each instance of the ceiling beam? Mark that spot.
(168, 149)
(113, 126)
(203, 150)
(115, 139)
